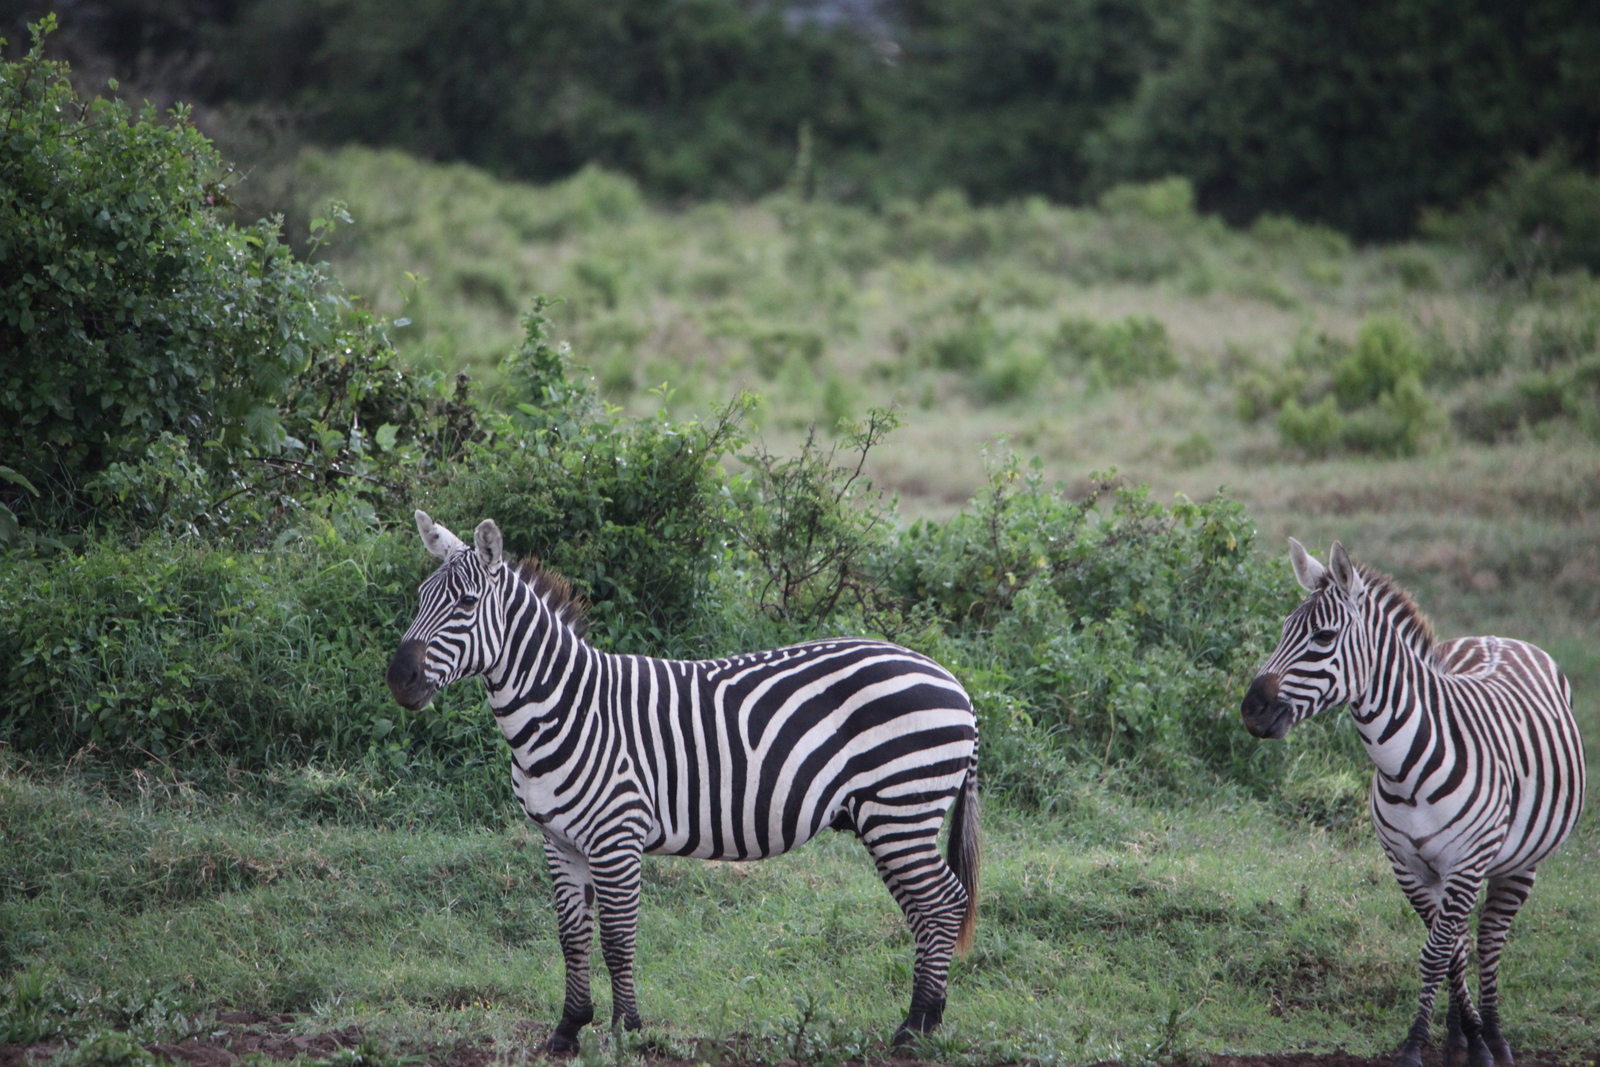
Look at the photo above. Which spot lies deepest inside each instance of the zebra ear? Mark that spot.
(439, 541)
(1307, 571)
(1345, 574)
(490, 544)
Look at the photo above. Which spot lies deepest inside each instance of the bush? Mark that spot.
(126, 309)
(1118, 353)
(259, 657)
(1386, 354)
(629, 509)
(1121, 631)
(1544, 214)
(814, 531)
(1314, 430)
(1498, 412)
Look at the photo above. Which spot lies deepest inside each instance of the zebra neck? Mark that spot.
(543, 666)
(1395, 709)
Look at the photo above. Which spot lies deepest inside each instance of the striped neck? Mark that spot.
(543, 651)
(1393, 707)
(1393, 607)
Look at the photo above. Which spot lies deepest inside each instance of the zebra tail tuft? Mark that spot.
(963, 855)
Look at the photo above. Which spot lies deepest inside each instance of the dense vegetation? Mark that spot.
(1358, 117)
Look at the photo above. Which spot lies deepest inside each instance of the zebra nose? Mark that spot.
(405, 676)
(1263, 713)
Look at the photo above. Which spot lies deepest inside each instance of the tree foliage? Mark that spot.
(1359, 116)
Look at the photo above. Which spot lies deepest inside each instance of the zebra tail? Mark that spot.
(962, 853)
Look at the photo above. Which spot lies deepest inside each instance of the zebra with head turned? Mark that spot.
(743, 758)
(1480, 769)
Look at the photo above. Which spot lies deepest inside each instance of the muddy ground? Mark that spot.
(274, 1037)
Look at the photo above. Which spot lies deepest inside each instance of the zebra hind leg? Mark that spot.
(1506, 895)
(574, 889)
(904, 847)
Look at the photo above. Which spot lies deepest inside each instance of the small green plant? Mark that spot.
(1011, 372)
(30, 1008)
(108, 1048)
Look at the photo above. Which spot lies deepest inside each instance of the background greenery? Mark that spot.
(744, 423)
(1358, 117)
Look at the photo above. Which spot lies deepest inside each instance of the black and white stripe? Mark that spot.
(1480, 769)
(741, 758)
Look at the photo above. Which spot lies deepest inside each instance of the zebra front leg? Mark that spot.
(934, 903)
(575, 892)
(1464, 1045)
(617, 874)
(1444, 934)
(1507, 893)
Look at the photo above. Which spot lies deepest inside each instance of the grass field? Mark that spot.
(1131, 335)
(1119, 930)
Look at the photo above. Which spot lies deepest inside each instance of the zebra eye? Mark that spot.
(1325, 637)
(468, 599)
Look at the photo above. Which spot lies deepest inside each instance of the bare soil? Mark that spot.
(273, 1036)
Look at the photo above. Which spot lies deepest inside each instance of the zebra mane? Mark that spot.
(1398, 607)
(556, 591)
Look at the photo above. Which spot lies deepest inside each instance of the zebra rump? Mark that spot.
(615, 757)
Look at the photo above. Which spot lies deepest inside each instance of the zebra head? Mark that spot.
(460, 623)
(1323, 650)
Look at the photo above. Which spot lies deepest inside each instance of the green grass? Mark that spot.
(1124, 928)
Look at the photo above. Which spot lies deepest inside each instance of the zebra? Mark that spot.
(741, 758)
(1479, 769)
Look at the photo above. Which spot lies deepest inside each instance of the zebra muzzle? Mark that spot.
(406, 679)
(1266, 714)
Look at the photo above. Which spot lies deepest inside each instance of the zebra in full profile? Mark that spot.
(743, 758)
(1480, 769)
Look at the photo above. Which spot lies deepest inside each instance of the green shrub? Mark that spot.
(1117, 353)
(1314, 430)
(1543, 214)
(1014, 371)
(1386, 353)
(965, 338)
(630, 509)
(1371, 395)
(1260, 393)
(813, 529)
(126, 308)
(1117, 627)
(1168, 200)
(1395, 425)
(170, 646)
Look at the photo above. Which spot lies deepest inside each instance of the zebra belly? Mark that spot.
(1433, 841)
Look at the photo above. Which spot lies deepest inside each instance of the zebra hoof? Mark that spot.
(564, 1038)
(917, 1024)
(1479, 1055)
(1410, 1055)
(558, 1045)
(1500, 1049)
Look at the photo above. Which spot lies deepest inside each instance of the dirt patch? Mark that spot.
(250, 1033)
